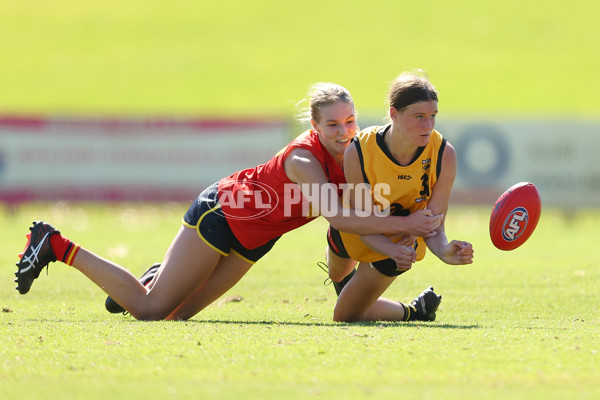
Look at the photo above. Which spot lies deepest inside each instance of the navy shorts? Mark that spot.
(387, 266)
(206, 217)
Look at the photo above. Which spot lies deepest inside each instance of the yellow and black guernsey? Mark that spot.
(409, 186)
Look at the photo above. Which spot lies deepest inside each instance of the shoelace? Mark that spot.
(324, 267)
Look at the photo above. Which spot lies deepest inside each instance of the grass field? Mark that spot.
(514, 325)
(240, 57)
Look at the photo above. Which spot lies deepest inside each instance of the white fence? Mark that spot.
(162, 159)
(118, 159)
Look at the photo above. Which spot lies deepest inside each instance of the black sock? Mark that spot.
(338, 286)
(410, 312)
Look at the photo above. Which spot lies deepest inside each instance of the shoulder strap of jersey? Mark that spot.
(360, 158)
(438, 168)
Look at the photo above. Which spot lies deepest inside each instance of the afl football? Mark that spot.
(515, 216)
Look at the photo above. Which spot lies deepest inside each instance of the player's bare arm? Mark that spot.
(302, 167)
(454, 252)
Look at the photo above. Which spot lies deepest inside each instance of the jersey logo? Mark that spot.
(515, 224)
(248, 195)
(426, 165)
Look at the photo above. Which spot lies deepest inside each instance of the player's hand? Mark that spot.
(404, 256)
(423, 223)
(458, 253)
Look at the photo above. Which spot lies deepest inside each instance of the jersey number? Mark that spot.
(425, 190)
(397, 209)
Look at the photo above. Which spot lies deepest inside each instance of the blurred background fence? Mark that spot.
(77, 159)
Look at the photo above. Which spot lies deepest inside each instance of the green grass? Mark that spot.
(519, 325)
(239, 57)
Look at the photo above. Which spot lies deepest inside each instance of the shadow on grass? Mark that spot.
(378, 324)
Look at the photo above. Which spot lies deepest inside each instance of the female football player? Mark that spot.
(416, 165)
(233, 223)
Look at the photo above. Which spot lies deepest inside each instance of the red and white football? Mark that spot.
(515, 216)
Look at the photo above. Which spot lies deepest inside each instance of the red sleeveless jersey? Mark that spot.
(262, 203)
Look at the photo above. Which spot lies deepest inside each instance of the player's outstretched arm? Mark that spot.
(303, 168)
(454, 252)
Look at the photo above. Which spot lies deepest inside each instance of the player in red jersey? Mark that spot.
(233, 223)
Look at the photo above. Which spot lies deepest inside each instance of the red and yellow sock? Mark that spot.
(64, 249)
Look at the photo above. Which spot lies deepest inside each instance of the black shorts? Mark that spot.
(387, 266)
(206, 217)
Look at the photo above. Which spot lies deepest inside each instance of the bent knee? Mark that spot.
(337, 276)
(341, 315)
(152, 313)
(149, 316)
(340, 273)
(345, 318)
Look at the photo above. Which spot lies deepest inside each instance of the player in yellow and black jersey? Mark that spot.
(406, 167)
(406, 188)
